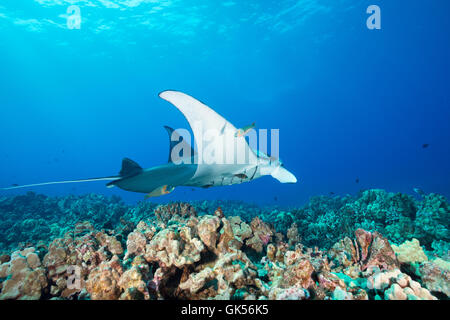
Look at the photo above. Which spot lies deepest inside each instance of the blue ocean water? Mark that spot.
(352, 104)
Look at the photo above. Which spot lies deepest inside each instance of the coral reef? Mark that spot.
(397, 216)
(410, 252)
(25, 278)
(377, 246)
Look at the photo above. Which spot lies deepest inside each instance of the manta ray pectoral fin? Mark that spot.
(283, 175)
(222, 131)
(202, 119)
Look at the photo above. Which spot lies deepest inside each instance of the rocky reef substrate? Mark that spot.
(377, 245)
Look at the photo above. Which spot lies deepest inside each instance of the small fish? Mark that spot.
(241, 176)
(243, 131)
(14, 185)
(165, 189)
(275, 198)
(419, 191)
(331, 193)
(357, 180)
(425, 145)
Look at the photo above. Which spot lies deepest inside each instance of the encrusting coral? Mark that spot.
(410, 252)
(175, 252)
(25, 277)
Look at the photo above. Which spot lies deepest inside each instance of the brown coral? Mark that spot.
(103, 281)
(436, 276)
(368, 250)
(262, 234)
(26, 279)
(174, 248)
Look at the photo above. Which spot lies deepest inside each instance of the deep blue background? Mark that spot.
(349, 102)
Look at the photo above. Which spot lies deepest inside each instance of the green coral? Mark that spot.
(397, 216)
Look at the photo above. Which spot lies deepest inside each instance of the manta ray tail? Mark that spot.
(129, 168)
(60, 182)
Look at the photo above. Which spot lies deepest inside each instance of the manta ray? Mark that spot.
(186, 166)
